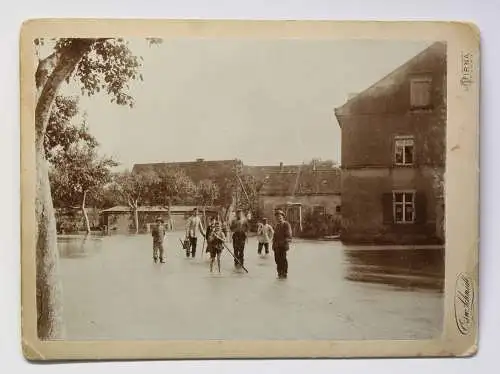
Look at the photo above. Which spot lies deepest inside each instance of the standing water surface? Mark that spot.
(113, 290)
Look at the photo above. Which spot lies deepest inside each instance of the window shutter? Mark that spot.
(420, 208)
(387, 208)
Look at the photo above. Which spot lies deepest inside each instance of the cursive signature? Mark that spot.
(464, 303)
(467, 69)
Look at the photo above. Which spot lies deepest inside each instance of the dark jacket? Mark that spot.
(282, 236)
(216, 239)
(240, 228)
(209, 230)
(158, 232)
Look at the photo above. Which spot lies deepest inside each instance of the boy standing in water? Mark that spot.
(265, 234)
(193, 228)
(210, 227)
(158, 233)
(216, 239)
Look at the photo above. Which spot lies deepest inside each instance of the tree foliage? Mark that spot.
(105, 64)
(172, 187)
(78, 171)
(155, 188)
(61, 133)
(207, 192)
(134, 189)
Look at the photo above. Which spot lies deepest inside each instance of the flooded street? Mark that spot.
(113, 290)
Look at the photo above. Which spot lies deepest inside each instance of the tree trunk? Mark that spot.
(85, 215)
(48, 287)
(136, 217)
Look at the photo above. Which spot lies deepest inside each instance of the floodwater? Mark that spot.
(113, 290)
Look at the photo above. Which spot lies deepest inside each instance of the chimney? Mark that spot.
(281, 166)
(351, 95)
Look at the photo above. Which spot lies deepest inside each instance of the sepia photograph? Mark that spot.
(215, 189)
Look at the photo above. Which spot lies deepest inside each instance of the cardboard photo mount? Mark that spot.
(460, 319)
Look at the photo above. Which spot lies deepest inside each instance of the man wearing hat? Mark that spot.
(158, 233)
(281, 243)
(240, 228)
(193, 228)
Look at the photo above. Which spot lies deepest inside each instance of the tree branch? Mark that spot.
(45, 68)
(66, 61)
(84, 198)
(129, 202)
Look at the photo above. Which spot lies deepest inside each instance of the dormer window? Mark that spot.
(420, 92)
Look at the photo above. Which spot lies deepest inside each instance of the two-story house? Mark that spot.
(393, 155)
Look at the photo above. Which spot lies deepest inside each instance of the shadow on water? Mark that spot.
(78, 246)
(408, 269)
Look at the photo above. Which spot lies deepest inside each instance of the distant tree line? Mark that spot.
(81, 177)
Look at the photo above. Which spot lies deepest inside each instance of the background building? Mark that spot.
(309, 194)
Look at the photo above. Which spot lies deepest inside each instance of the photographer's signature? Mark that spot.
(464, 303)
(467, 69)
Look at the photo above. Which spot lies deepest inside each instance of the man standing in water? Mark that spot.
(281, 243)
(193, 228)
(240, 229)
(158, 233)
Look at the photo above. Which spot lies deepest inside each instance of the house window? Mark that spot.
(337, 209)
(420, 92)
(319, 210)
(404, 149)
(403, 205)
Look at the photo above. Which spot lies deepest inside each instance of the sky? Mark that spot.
(261, 101)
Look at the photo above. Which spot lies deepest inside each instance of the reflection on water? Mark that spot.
(402, 268)
(78, 246)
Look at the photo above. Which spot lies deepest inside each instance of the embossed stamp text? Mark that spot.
(464, 303)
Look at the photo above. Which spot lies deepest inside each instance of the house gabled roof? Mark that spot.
(261, 172)
(387, 83)
(303, 182)
(197, 170)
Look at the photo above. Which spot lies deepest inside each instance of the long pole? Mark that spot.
(206, 226)
(244, 190)
(232, 254)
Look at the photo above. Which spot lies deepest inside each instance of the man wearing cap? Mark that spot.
(281, 243)
(265, 235)
(240, 229)
(193, 228)
(158, 232)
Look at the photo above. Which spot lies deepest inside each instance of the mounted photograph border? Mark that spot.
(460, 319)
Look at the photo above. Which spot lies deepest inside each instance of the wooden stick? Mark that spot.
(232, 254)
